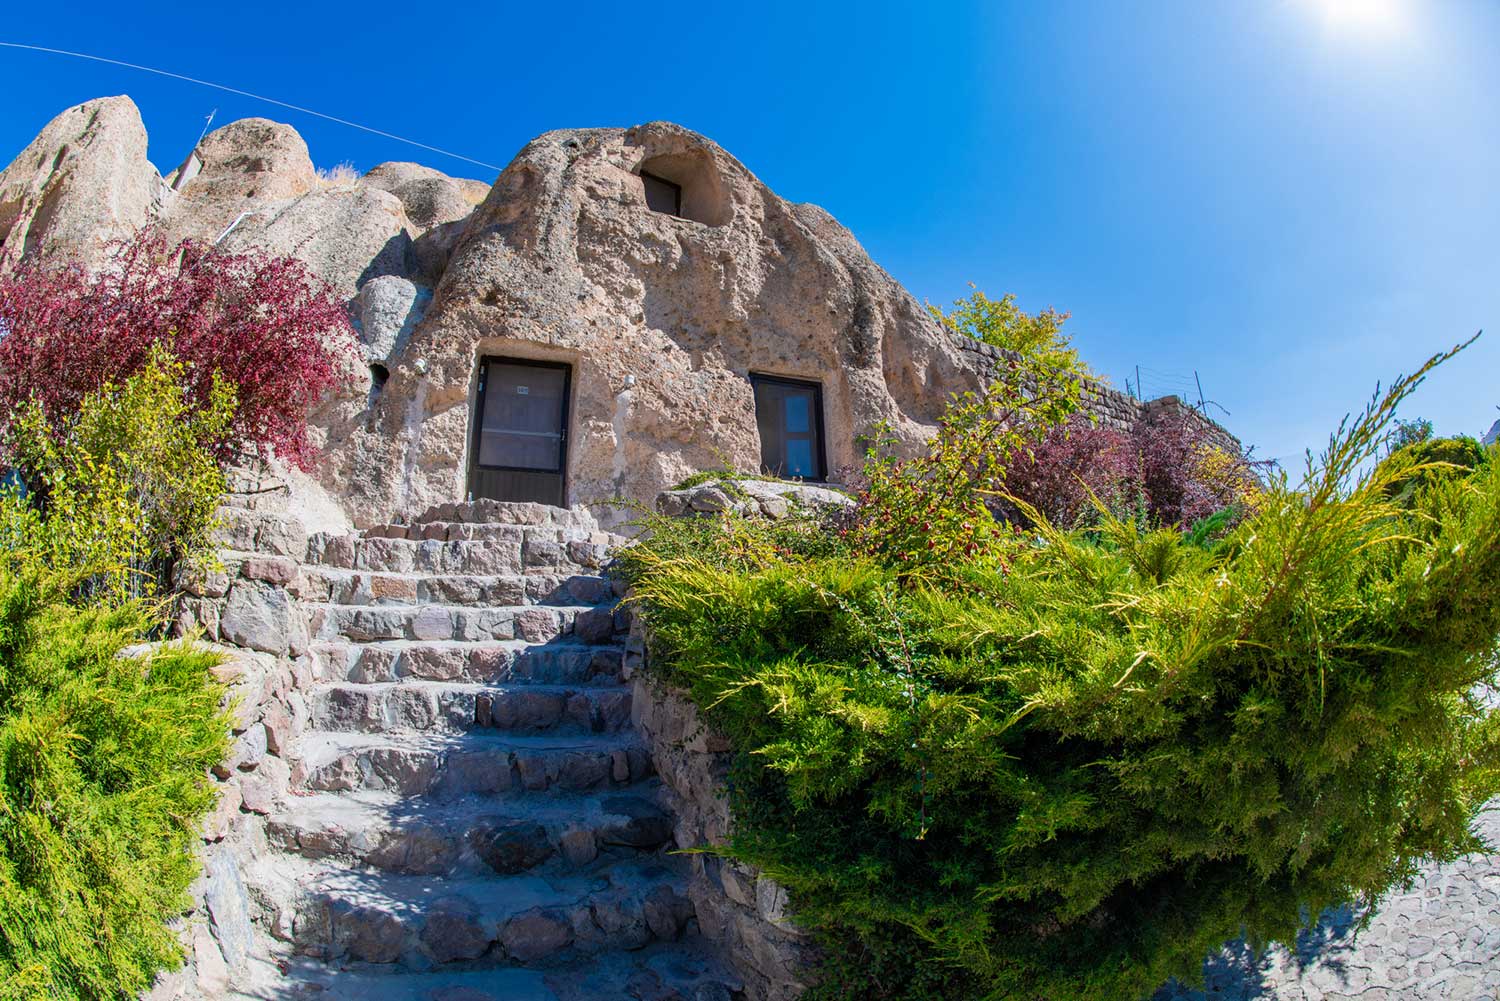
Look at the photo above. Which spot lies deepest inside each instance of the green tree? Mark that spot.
(1003, 324)
(1408, 432)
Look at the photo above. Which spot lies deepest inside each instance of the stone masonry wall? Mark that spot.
(741, 910)
(1110, 407)
(249, 612)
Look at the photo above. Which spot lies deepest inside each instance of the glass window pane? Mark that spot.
(799, 458)
(798, 411)
(787, 417)
(522, 421)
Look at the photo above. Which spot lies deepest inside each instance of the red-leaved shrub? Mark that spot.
(1056, 476)
(1166, 469)
(265, 323)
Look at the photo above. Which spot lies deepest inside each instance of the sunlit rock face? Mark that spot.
(81, 183)
(662, 314)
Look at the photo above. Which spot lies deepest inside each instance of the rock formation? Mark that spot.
(82, 182)
(661, 316)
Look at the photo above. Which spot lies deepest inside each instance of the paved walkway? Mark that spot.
(1440, 939)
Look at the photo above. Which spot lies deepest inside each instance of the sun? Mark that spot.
(1373, 16)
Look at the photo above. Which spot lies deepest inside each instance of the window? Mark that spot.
(790, 416)
(662, 195)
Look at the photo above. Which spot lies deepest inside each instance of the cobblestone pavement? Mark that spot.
(1440, 939)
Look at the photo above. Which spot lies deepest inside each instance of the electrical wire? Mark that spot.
(246, 93)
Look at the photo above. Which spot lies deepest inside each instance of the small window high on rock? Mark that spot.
(662, 195)
(686, 185)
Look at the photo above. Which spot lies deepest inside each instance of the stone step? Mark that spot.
(448, 767)
(683, 970)
(492, 662)
(485, 511)
(419, 921)
(508, 551)
(544, 833)
(533, 623)
(340, 586)
(455, 707)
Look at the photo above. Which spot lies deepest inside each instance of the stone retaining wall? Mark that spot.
(1110, 407)
(739, 909)
(249, 612)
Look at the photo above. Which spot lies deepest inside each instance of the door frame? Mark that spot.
(477, 419)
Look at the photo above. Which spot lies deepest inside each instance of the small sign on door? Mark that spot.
(523, 391)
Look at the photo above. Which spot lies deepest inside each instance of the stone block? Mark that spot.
(278, 570)
(536, 935)
(258, 617)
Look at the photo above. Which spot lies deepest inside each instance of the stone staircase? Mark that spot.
(470, 814)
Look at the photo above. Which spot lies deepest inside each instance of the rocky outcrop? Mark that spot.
(81, 183)
(430, 198)
(661, 315)
(243, 167)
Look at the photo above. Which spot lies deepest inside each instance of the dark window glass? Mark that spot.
(521, 426)
(790, 416)
(662, 195)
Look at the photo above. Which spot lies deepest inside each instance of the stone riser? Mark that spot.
(469, 928)
(480, 663)
(447, 773)
(483, 558)
(355, 587)
(562, 835)
(460, 531)
(534, 624)
(435, 707)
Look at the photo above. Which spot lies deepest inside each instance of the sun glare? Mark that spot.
(1374, 16)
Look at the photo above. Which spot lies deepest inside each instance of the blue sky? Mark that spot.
(1293, 198)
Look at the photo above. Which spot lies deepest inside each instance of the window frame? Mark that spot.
(478, 415)
(821, 451)
(676, 212)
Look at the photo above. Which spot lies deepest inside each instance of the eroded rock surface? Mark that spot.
(82, 182)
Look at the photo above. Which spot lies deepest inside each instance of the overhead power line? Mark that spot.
(246, 93)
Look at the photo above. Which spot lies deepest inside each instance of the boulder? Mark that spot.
(766, 498)
(431, 198)
(387, 309)
(346, 236)
(242, 167)
(81, 183)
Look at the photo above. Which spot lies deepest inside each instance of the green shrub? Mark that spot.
(1073, 765)
(1419, 463)
(930, 514)
(103, 781)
